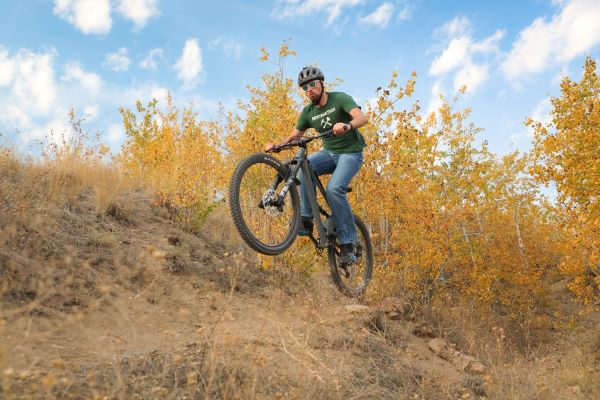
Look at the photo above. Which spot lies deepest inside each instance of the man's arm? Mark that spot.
(296, 133)
(359, 119)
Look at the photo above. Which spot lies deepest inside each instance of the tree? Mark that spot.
(567, 153)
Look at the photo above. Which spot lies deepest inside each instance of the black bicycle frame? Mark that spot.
(300, 162)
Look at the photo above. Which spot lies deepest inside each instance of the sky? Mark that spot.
(98, 55)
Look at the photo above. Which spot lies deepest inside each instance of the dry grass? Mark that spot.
(102, 295)
(528, 356)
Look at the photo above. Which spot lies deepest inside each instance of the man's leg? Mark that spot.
(347, 166)
(321, 162)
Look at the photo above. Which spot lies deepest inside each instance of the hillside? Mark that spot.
(115, 299)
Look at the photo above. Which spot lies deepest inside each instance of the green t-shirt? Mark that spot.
(322, 119)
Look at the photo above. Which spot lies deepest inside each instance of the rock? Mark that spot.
(423, 330)
(440, 347)
(576, 389)
(394, 308)
(476, 368)
(463, 362)
(356, 308)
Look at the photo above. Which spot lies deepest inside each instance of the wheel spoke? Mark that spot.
(353, 279)
(269, 225)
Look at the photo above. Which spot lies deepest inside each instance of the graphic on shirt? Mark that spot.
(325, 123)
(331, 110)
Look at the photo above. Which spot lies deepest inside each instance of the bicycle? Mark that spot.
(265, 207)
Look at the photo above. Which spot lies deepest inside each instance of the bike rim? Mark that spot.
(358, 270)
(270, 225)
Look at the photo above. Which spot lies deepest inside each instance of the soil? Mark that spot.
(129, 304)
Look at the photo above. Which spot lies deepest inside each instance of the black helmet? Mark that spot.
(309, 74)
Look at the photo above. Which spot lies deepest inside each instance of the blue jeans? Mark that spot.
(343, 167)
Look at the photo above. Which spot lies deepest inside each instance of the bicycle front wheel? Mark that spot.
(266, 226)
(353, 279)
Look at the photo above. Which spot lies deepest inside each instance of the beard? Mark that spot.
(317, 98)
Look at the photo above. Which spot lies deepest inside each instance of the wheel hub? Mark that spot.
(268, 200)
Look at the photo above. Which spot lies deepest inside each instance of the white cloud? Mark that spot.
(159, 93)
(151, 59)
(230, 47)
(453, 56)
(436, 102)
(90, 112)
(380, 17)
(6, 68)
(89, 16)
(406, 12)
(90, 81)
(29, 78)
(15, 116)
(459, 26)
(471, 75)
(36, 103)
(570, 33)
(139, 11)
(461, 51)
(542, 112)
(94, 16)
(115, 133)
(118, 61)
(54, 130)
(189, 65)
(302, 8)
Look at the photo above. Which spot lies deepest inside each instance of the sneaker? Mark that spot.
(306, 227)
(347, 255)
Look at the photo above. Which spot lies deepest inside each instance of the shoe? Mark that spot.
(306, 227)
(347, 255)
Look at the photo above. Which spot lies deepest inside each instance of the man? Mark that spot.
(342, 155)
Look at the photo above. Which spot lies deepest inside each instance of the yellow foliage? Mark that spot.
(567, 153)
(177, 155)
(445, 213)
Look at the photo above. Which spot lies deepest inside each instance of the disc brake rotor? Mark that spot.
(268, 201)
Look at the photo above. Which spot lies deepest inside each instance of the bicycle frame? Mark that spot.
(300, 162)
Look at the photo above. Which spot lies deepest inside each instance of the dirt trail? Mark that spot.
(134, 306)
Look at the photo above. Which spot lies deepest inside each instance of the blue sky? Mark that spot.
(98, 55)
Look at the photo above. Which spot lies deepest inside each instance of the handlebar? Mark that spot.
(301, 142)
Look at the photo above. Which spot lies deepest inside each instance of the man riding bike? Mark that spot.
(342, 154)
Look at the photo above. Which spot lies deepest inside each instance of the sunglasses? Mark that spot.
(310, 84)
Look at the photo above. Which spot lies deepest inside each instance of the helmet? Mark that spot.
(309, 74)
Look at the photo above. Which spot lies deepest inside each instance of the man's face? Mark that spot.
(313, 90)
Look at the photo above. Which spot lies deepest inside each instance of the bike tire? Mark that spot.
(365, 262)
(252, 233)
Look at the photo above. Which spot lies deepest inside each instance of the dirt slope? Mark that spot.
(127, 304)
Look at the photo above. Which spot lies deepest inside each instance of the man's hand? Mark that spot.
(340, 128)
(269, 147)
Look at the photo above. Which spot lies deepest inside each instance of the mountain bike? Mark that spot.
(265, 206)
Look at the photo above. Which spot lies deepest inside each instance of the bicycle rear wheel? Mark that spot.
(265, 226)
(353, 280)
